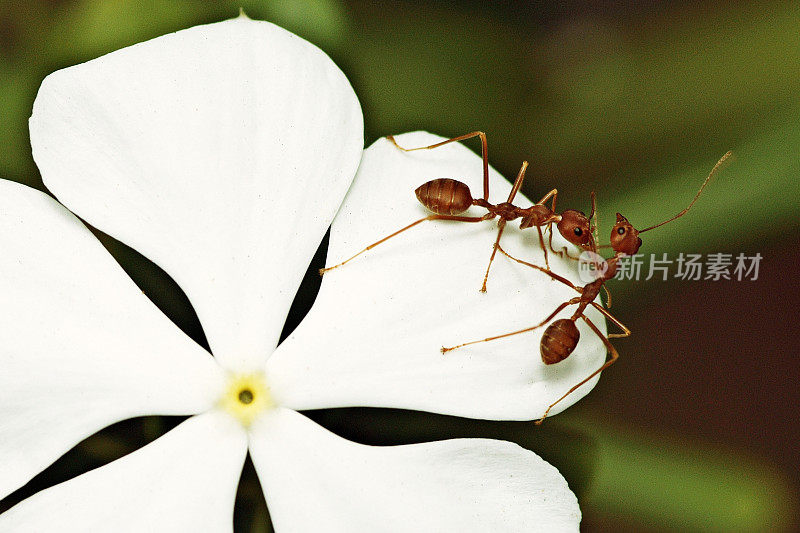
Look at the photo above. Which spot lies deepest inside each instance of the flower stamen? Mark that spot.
(246, 397)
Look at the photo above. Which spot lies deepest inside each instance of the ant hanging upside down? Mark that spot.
(561, 337)
(449, 199)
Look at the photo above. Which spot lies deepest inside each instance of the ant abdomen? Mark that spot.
(559, 340)
(445, 196)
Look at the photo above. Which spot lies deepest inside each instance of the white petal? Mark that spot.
(183, 481)
(81, 347)
(220, 152)
(316, 481)
(374, 335)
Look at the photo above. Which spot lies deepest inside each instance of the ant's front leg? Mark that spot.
(547, 271)
(560, 253)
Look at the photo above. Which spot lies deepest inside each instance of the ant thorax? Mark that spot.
(535, 215)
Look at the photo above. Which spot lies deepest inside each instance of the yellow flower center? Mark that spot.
(246, 397)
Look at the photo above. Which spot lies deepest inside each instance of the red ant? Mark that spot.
(449, 198)
(561, 337)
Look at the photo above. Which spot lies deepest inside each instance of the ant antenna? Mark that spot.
(710, 174)
(596, 226)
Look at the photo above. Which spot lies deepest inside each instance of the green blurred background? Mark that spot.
(696, 427)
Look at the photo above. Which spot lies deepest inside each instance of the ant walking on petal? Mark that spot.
(561, 337)
(449, 199)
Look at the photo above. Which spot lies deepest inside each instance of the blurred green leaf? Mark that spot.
(323, 22)
(662, 482)
(16, 88)
(629, 84)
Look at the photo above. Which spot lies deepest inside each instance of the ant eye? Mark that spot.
(621, 231)
(578, 232)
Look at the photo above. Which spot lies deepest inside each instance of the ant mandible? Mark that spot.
(449, 198)
(561, 337)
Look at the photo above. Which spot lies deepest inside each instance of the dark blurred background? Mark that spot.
(696, 427)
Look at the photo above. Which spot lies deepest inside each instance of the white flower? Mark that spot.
(222, 153)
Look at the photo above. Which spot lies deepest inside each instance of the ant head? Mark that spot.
(624, 237)
(575, 227)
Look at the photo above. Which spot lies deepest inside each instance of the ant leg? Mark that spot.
(430, 217)
(553, 275)
(563, 251)
(608, 297)
(544, 249)
(552, 194)
(484, 153)
(514, 190)
(502, 225)
(550, 241)
(625, 331)
(504, 335)
(608, 363)
(517, 182)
